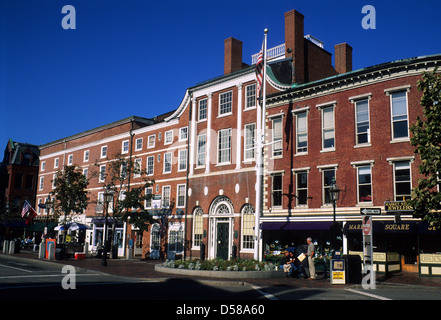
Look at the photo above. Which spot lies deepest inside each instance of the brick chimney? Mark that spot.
(232, 55)
(343, 58)
(295, 43)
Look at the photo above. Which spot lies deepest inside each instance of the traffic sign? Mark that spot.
(370, 211)
(367, 225)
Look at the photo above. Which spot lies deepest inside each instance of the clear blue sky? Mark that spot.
(137, 57)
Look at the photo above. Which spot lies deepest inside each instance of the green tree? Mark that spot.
(426, 138)
(69, 194)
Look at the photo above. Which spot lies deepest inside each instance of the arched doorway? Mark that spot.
(221, 224)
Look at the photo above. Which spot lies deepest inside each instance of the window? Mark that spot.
(168, 137)
(166, 196)
(362, 121)
(150, 164)
(56, 162)
(138, 144)
(125, 146)
(224, 146)
(302, 132)
(364, 181)
(202, 140)
(328, 130)
(151, 141)
(176, 241)
(198, 227)
(70, 159)
(167, 162)
(54, 178)
(276, 193)
(86, 156)
(181, 196)
(85, 173)
(202, 109)
(103, 151)
(182, 166)
(183, 134)
(248, 225)
(137, 168)
(250, 134)
(102, 175)
(148, 197)
(225, 102)
(43, 165)
(123, 170)
(403, 184)
(277, 137)
(250, 93)
(41, 185)
(328, 176)
(302, 188)
(400, 128)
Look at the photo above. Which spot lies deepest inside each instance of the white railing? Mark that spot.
(271, 53)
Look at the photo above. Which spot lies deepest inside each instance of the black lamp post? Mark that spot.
(108, 197)
(334, 193)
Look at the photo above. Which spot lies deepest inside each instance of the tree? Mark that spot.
(69, 194)
(426, 197)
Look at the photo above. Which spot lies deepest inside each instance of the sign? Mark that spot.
(367, 225)
(397, 207)
(338, 271)
(368, 252)
(156, 201)
(370, 211)
(42, 205)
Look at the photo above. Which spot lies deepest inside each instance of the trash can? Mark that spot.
(352, 268)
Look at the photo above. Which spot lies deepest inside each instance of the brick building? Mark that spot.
(323, 121)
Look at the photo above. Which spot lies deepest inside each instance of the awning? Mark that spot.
(385, 227)
(297, 225)
(39, 226)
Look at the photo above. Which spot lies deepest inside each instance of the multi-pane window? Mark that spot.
(250, 133)
(176, 241)
(276, 192)
(168, 137)
(181, 196)
(225, 102)
(182, 165)
(364, 184)
(138, 144)
(148, 197)
(137, 167)
(102, 175)
(150, 164)
(202, 109)
(198, 227)
(125, 146)
(328, 130)
(248, 226)
(328, 177)
(302, 132)
(400, 128)
(362, 121)
(41, 183)
(183, 134)
(302, 188)
(43, 165)
(403, 185)
(250, 93)
(70, 159)
(103, 151)
(86, 156)
(202, 140)
(151, 141)
(166, 196)
(277, 136)
(167, 162)
(224, 146)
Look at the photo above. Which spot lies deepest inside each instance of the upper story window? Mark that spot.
(302, 188)
(125, 146)
(103, 151)
(183, 134)
(167, 162)
(70, 159)
(302, 132)
(224, 146)
(202, 141)
(168, 137)
(362, 125)
(250, 136)
(56, 162)
(250, 93)
(86, 156)
(138, 144)
(364, 181)
(328, 128)
(402, 180)
(400, 127)
(276, 192)
(277, 133)
(328, 175)
(43, 165)
(202, 109)
(225, 103)
(151, 141)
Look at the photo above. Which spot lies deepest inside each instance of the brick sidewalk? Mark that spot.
(138, 268)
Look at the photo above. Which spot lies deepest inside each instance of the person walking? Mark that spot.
(310, 255)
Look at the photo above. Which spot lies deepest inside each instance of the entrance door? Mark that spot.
(222, 240)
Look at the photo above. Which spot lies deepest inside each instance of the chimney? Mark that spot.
(343, 58)
(232, 55)
(295, 44)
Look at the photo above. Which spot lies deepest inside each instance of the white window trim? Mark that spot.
(180, 134)
(136, 144)
(43, 166)
(354, 101)
(389, 92)
(177, 195)
(219, 115)
(242, 249)
(162, 194)
(153, 166)
(180, 158)
(137, 160)
(145, 200)
(99, 173)
(197, 151)
(356, 165)
(41, 184)
(246, 108)
(199, 109)
(70, 159)
(122, 147)
(245, 159)
(218, 147)
(296, 172)
(297, 113)
(276, 117)
(165, 154)
(392, 162)
(86, 159)
(101, 154)
(321, 170)
(148, 141)
(321, 107)
(56, 162)
(273, 174)
(165, 137)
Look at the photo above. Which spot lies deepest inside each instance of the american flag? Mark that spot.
(259, 71)
(25, 209)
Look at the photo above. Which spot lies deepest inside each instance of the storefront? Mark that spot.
(115, 233)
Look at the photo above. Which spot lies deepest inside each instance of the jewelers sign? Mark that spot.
(396, 207)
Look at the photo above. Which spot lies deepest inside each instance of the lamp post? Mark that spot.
(108, 197)
(334, 193)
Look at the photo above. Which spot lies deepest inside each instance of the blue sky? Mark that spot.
(138, 57)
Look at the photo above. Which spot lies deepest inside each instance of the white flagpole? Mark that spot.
(261, 116)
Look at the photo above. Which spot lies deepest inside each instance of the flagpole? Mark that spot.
(261, 117)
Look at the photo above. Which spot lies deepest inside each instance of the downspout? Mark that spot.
(128, 184)
(187, 179)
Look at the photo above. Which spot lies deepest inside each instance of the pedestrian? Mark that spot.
(289, 263)
(310, 271)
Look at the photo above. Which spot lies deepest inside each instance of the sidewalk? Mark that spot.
(145, 269)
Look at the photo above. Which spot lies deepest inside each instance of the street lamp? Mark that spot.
(334, 193)
(107, 197)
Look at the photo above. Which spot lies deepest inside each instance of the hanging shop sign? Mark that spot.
(396, 207)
